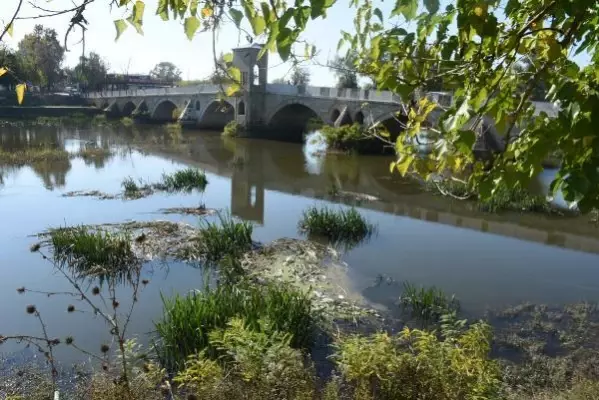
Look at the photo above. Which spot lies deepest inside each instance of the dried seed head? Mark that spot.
(192, 397)
(54, 342)
(31, 309)
(115, 304)
(96, 291)
(69, 340)
(35, 247)
(145, 281)
(105, 367)
(21, 290)
(70, 308)
(104, 348)
(2, 339)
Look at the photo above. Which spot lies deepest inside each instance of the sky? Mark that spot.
(166, 41)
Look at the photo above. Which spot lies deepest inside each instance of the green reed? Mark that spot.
(186, 179)
(187, 320)
(225, 238)
(427, 304)
(338, 226)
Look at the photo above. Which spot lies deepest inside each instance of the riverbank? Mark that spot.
(534, 351)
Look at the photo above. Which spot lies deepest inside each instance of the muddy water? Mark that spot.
(487, 260)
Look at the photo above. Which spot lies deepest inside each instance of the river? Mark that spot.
(488, 261)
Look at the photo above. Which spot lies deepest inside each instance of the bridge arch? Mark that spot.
(128, 109)
(165, 111)
(337, 110)
(216, 115)
(105, 105)
(359, 117)
(292, 119)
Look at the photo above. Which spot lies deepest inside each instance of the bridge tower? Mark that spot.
(251, 104)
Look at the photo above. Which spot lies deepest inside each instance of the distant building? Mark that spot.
(132, 82)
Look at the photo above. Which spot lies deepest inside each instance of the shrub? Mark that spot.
(338, 226)
(427, 304)
(232, 129)
(415, 364)
(186, 179)
(187, 321)
(227, 237)
(259, 362)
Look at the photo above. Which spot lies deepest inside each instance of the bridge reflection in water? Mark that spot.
(256, 166)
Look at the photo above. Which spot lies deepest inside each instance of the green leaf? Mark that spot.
(236, 16)
(235, 74)
(465, 141)
(191, 25)
(228, 58)
(193, 7)
(162, 10)
(379, 14)
(258, 24)
(136, 17)
(232, 89)
(404, 164)
(121, 26)
(9, 29)
(319, 7)
(432, 6)
(408, 8)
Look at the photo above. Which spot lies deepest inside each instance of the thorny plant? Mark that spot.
(68, 259)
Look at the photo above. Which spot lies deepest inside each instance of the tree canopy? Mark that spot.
(345, 70)
(41, 56)
(299, 76)
(166, 71)
(91, 72)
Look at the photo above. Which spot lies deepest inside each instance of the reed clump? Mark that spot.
(338, 226)
(188, 320)
(184, 180)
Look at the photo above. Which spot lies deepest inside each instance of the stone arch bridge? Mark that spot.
(280, 110)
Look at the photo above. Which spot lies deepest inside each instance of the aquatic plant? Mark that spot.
(226, 237)
(93, 152)
(186, 179)
(188, 320)
(515, 198)
(88, 252)
(427, 304)
(33, 155)
(338, 226)
(130, 186)
(232, 129)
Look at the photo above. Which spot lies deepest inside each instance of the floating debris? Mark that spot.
(90, 193)
(201, 210)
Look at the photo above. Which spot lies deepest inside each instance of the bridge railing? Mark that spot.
(185, 90)
(335, 93)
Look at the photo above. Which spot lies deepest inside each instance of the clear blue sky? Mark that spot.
(166, 41)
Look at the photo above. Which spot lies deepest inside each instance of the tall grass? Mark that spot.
(89, 252)
(227, 237)
(427, 304)
(185, 179)
(188, 320)
(338, 226)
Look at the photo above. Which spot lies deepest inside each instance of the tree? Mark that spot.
(41, 56)
(166, 71)
(12, 62)
(91, 72)
(345, 70)
(280, 81)
(299, 77)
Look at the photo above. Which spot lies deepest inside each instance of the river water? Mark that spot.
(488, 261)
